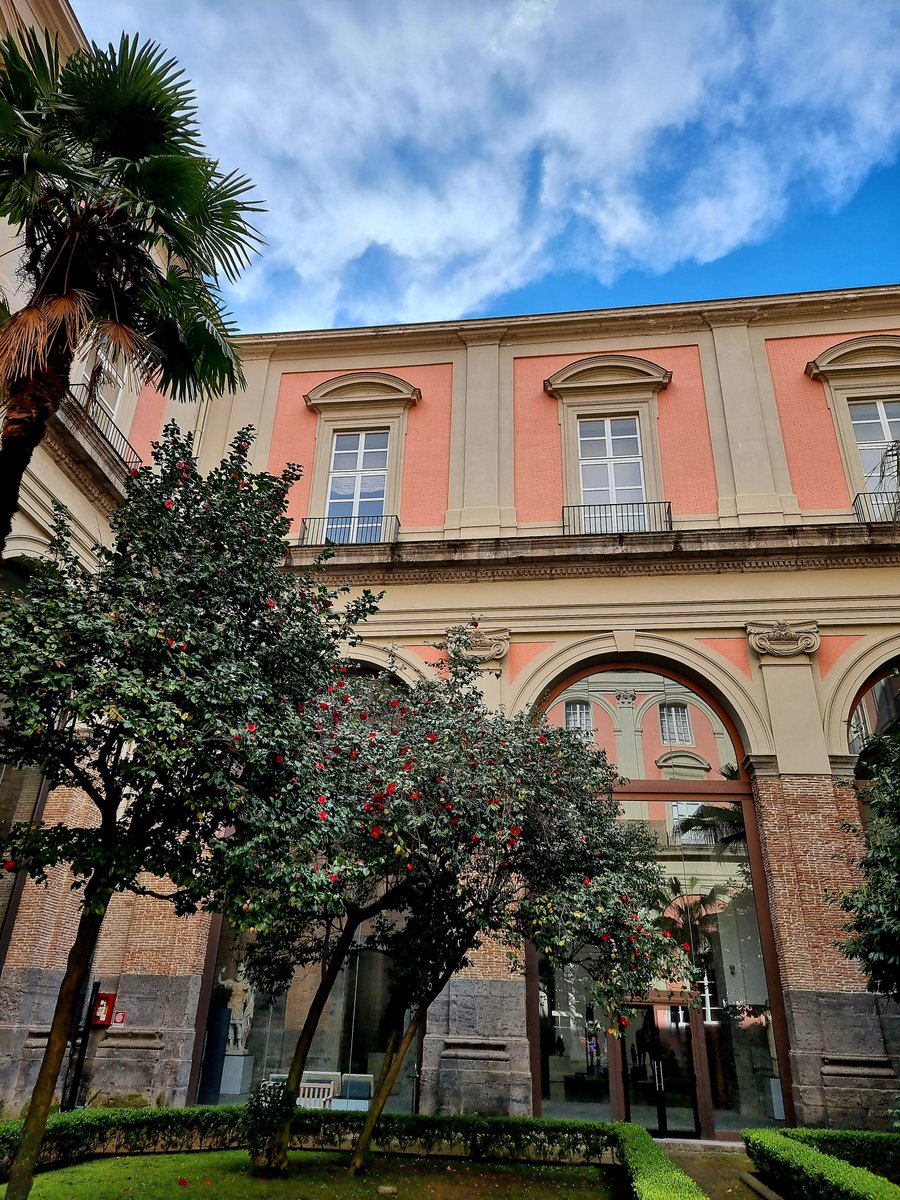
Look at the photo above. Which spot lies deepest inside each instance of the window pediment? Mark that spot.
(607, 373)
(369, 389)
(872, 356)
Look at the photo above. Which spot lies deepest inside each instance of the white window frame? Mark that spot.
(669, 706)
(584, 723)
(354, 524)
(609, 519)
(871, 478)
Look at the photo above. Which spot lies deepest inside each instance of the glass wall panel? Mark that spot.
(574, 1059)
(250, 1037)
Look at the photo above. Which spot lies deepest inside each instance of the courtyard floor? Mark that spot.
(224, 1175)
(715, 1170)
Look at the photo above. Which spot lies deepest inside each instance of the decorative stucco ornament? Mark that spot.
(783, 639)
(488, 645)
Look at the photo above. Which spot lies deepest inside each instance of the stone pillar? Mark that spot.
(844, 1073)
(475, 1054)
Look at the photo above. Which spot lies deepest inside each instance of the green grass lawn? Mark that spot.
(224, 1175)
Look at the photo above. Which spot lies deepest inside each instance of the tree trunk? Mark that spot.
(30, 403)
(386, 1081)
(78, 964)
(274, 1159)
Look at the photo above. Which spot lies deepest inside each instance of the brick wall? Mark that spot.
(807, 854)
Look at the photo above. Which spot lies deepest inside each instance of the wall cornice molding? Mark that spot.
(649, 319)
(681, 552)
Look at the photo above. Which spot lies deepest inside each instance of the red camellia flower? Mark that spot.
(409, 866)
(541, 738)
(430, 737)
(353, 754)
(685, 947)
(474, 837)
(251, 728)
(332, 878)
(376, 831)
(279, 758)
(395, 704)
(515, 830)
(624, 1022)
(170, 504)
(320, 766)
(323, 814)
(391, 788)
(183, 1183)
(133, 472)
(9, 865)
(666, 934)
(270, 603)
(364, 716)
(587, 883)
(604, 937)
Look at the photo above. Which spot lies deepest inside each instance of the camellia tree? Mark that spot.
(444, 822)
(873, 925)
(169, 685)
(126, 227)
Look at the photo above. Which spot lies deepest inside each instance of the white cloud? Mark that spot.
(420, 157)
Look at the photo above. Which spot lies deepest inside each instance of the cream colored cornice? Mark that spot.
(689, 551)
(656, 318)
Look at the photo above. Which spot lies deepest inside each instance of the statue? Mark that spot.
(241, 1004)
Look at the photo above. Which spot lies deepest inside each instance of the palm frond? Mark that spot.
(129, 102)
(26, 337)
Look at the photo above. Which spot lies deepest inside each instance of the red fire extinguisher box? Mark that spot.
(103, 1010)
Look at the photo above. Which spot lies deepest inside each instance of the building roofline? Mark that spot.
(682, 315)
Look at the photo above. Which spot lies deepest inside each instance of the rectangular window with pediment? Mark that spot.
(357, 484)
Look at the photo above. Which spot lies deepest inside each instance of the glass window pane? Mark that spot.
(867, 431)
(374, 460)
(346, 441)
(594, 475)
(343, 486)
(371, 486)
(371, 508)
(623, 426)
(627, 474)
(345, 460)
(625, 447)
(592, 429)
(340, 508)
(377, 440)
(863, 410)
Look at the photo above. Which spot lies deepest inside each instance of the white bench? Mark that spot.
(315, 1095)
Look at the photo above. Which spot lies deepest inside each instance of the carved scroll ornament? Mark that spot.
(783, 639)
(488, 645)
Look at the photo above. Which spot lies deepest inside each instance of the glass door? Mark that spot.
(658, 1073)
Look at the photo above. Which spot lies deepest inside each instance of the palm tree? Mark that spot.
(125, 227)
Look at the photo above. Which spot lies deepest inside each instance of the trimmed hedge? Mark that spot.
(797, 1169)
(652, 1173)
(88, 1133)
(879, 1152)
(74, 1136)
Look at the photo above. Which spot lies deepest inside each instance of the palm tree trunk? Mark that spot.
(30, 403)
(386, 1080)
(274, 1159)
(78, 964)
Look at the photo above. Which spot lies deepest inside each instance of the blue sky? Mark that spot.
(434, 159)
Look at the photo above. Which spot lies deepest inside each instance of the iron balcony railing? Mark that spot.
(98, 416)
(877, 506)
(348, 531)
(651, 516)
